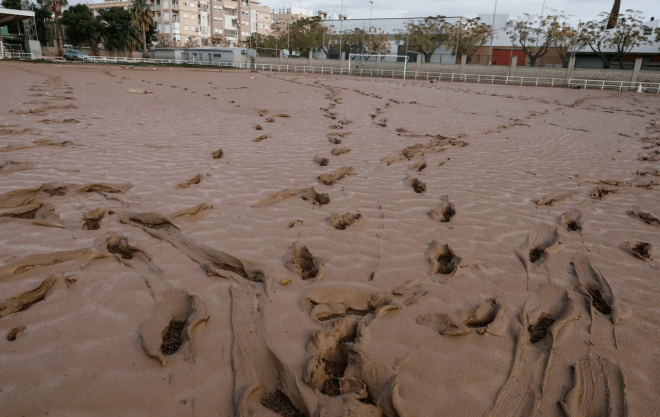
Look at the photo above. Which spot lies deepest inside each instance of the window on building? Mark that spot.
(185, 28)
(648, 31)
(220, 19)
(192, 16)
(185, 15)
(217, 55)
(185, 3)
(192, 4)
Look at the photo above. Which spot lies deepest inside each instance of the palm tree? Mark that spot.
(143, 18)
(55, 7)
(614, 14)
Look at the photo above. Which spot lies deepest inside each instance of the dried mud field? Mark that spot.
(237, 243)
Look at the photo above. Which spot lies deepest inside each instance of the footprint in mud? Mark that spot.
(118, 245)
(642, 250)
(321, 161)
(40, 213)
(552, 199)
(194, 180)
(539, 330)
(599, 193)
(444, 261)
(337, 175)
(318, 199)
(419, 167)
(13, 333)
(598, 292)
(340, 151)
(445, 212)
(339, 134)
(540, 244)
(348, 382)
(26, 300)
(283, 115)
(300, 261)
(258, 127)
(572, 220)
(278, 402)
(217, 154)
(270, 120)
(645, 217)
(487, 318)
(92, 219)
(334, 140)
(169, 333)
(335, 127)
(418, 186)
(341, 222)
(260, 138)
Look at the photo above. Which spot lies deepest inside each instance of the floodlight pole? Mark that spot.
(371, 12)
(492, 33)
(341, 26)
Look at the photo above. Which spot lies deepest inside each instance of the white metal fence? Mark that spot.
(448, 76)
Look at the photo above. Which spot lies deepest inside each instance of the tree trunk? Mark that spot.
(144, 42)
(94, 47)
(58, 35)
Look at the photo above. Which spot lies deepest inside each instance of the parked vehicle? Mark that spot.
(74, 55)
(67, 46)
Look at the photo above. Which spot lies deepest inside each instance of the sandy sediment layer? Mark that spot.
(481, 250)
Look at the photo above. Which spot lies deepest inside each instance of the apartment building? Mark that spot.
(182, 21)
(192, 21)
(290, 15)
(234, 23)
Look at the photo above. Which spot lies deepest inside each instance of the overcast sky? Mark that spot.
(580, 9)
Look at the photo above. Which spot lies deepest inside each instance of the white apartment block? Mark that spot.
(180, 20)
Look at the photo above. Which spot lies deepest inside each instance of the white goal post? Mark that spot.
(352, 57)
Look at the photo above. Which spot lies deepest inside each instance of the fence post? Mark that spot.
(512, 66)
(569, 70)
(463, 64)
(636, 68)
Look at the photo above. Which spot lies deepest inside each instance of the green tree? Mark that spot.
(531, 32)
(81, 27)
(424, 36)
(305, 34)
(117, 24)
(143, 19)
(613, 44)
(42, 16)
(55, 7)
(266, 45)
(564, 38)
(465, 36)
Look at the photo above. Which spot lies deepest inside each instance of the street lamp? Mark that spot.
(492, 33)
(341, 26)
(370, 14)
